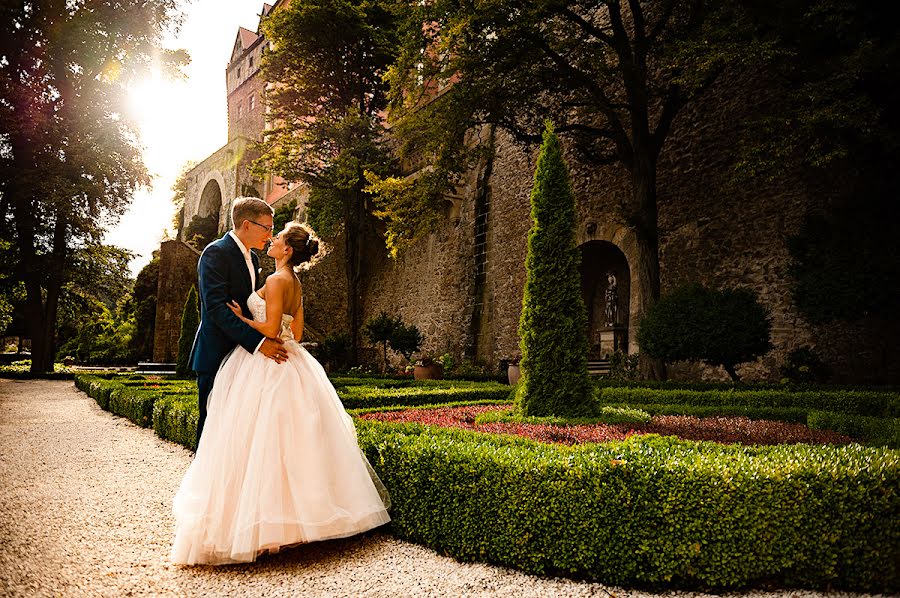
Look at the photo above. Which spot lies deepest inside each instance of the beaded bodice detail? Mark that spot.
(257, 307)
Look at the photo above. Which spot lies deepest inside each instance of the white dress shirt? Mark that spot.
(247, 259)
(250, 269)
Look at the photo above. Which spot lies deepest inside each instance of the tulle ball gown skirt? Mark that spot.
(278, 464)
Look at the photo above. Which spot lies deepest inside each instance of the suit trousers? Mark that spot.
(204, 387)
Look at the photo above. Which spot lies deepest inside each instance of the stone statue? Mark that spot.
(612, 300)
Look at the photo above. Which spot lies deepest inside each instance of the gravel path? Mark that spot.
(85, 510)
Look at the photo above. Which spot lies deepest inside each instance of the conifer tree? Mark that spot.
(190, 321)
(553, 327)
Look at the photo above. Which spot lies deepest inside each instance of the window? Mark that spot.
(251, 62)
(252, 101)
(239, 73)
(240, 109)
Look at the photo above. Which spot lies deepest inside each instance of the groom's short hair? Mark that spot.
(248, 208)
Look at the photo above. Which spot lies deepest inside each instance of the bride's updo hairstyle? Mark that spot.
(303, 242)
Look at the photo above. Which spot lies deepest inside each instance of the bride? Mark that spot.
(278, 463)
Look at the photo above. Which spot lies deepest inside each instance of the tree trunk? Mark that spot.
(352, 244)
(42, 304)
(644, 219)
(732, 372)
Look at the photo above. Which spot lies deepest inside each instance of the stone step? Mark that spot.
(147, 367)
(599, 367)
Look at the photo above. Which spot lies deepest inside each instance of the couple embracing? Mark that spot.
(277, 460)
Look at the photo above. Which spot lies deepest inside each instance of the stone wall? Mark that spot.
(325, 291)
(711, 232)
(228, 168)
(177, 274)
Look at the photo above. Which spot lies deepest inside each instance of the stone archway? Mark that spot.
(211, 201)
(624, 240)
(606, 289)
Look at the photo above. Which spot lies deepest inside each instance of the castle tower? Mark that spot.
(246, 115)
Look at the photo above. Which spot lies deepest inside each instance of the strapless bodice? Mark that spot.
(257, 307)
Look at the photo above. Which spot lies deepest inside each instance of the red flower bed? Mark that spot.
(717, 429)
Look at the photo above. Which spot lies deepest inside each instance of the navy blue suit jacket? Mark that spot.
(223, 276)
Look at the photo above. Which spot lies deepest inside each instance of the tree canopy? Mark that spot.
(325, 109)
(69, 157)
(613, 75)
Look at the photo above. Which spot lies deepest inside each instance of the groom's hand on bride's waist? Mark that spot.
(273, 348)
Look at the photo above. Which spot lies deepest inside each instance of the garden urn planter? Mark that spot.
(513, 373)
(428, 372)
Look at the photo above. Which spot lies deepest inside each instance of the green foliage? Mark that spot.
(283, 215)
(175, 418)
(838, 106)
(623, 366)
(409, 207)
(69, 152)
(325, 211)
(403, 338)
(804, 366)
(406, 340)
(357, 397)
(625, 513)
(553, 323)
(335, 351)
(723, 328)
(380, 329)
(639, 511)
(854, 402)
(327, 60)
(190, 322)
(179, 194)
(874, 431)
(607, 414)
(201, 231)
(144, 298)
(97, 312)
(613, 90)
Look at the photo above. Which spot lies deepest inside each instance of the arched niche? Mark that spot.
(606, 289)
(211, 201)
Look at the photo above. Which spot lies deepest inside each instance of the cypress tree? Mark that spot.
(553, 327)
(190, 321)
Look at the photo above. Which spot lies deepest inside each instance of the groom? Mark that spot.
(227, 271)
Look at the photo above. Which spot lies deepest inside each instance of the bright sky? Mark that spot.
(182, 120)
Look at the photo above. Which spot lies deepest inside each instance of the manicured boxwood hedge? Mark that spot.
(98, 388)
(856, 402)
(175, 418)
(875, 431)
(647, 510)
(170, 405)
(354, 397)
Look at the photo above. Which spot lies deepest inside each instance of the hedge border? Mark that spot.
(638, 511)
(867, 403)
(631, 512)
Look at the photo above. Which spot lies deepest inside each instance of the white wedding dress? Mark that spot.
(278, 463)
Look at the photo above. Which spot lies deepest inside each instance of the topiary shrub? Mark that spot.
(553, 326)
(406, 340)
(379, 330)
(335, 351)
(190, 321)
(804, 366)
(720, 327)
